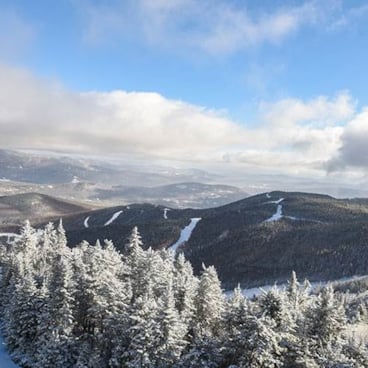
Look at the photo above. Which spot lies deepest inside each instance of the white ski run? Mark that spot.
(113, 218)
(185, 233)
(85, 223)
(165, 213)
(278, 214)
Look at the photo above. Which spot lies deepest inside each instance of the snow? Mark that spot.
(113, 218)
(75, 180)
(165, 213)
(255, 291)
(278, 214)
(85, 223)
(278, 201)
(358, 332)
(268, 195)
(4, 179)
(5, 360)
(185, 233)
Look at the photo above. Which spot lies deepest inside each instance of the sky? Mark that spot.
(270, 87)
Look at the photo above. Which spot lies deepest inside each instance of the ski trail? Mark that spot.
(185, 233)
(278, 214)
(165, 213)
(85, 223)
(113, 218)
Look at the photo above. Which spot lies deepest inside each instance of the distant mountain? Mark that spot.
(178, 195)
(257, 240)
(105, 184)
(15, 209)
(60, 169)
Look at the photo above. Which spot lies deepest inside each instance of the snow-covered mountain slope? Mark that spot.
(255, 241)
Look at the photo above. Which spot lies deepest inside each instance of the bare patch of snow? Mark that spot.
(185, 233)
(277, 215)
(278, 201)
(113, 218)
(258, 290)
(165, 213)
(358, 332)
(85, 223)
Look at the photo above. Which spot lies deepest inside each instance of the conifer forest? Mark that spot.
(93, 307)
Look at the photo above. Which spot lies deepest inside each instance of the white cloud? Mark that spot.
(290, 135)
(210, 26)
(353, 152)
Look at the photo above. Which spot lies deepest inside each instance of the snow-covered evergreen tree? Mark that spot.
(210, 304)
(90, 307)
(55, 346)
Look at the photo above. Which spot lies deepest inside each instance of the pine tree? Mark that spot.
(185, 286)
(144, 331)
(210, 304)
(261, 347)
(22, 319)
(173, 331)
(136, 261)
(55, 346)
(326, 320)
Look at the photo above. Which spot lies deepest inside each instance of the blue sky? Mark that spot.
(257, 84)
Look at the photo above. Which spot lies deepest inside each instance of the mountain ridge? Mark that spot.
(255, 241)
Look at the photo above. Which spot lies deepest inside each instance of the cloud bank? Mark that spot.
(291, 135)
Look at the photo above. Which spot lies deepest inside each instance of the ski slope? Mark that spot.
(278, 214)
(165, 213)
(113, 218)
(85, 223)
(185, 233)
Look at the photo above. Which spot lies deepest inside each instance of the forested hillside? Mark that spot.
(91, 306)
(255, 241)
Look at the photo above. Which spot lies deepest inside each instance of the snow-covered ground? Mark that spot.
(85, 223)
(250, 293)
(5, 360)
(277, 201)
(358, 332)
(185, 233)
(113, 218)
(278, 214)
(165, 213)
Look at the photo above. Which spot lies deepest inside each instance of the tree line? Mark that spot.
(93, 307)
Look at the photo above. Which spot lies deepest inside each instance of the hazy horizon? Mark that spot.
(269, 95)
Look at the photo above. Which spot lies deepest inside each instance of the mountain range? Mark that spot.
(102, 183)
(257, 240)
